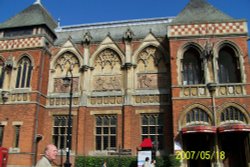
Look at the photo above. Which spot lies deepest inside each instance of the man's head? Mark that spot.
(50, 152)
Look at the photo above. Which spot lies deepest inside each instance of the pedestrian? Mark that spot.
(153, 162)
(146, 163)
(104, 164)
(50, 153)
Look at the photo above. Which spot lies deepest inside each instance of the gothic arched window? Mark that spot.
(192, 69)
(232, 114)
(197, 115)
(229, 70)
(1, 73)
(24, 70)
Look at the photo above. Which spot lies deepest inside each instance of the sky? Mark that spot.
(75, 12)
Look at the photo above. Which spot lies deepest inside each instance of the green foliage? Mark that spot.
(123, 161)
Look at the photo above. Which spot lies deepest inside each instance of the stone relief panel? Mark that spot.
(65, 62)
(107, 74)
(107, 61)
(105, 83)
(151, 81)
(151, 70)
(60, 88)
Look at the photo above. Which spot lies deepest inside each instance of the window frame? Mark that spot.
(157, 126)
(110, 137)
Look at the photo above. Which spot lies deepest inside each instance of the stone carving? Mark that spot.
(108, 57)
(145, 55)
(62, 101)
(104, 83)
(60, 88)
(106, 100)
(149, 99)
(152, 81)
(67, 59)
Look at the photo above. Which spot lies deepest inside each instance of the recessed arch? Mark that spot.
(200, 109)
(182, 51)
(231, 112)
(231, 71)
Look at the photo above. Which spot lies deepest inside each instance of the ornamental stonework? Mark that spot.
(106, 100)
(108, 57)
(59, 87)
(152, 81)
(107, 83)
(148, 53)
(67, 60)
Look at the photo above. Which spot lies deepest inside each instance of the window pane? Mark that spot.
(98, 143)
(60, 131)
(154, 126)
(106, 132)
(98, 130)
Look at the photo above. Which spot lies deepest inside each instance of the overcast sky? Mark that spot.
(73, 12)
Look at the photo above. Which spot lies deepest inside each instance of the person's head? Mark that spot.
(147, 159)
(50, 152)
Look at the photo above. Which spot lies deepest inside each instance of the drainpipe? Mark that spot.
(35, 141)
(212, 88)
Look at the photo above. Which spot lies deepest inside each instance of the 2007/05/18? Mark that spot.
(204, 155)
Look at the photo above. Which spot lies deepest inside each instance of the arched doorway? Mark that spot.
(234, 138)
(197, 137)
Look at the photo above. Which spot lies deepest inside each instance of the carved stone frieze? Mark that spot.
(20, 97)
(60, 88)
(152, 81)
(106, 100)
(57, 101)
(151, 99)
(106, 83)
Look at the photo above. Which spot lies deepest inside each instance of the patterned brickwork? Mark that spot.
(207, 29)
(21, 43)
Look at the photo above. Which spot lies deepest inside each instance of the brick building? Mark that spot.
(181, 81)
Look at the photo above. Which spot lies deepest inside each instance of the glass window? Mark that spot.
(232, 114)
(17, 135)
(152, 127)
(23, 73)
(1, 73)
(197, 114)
(60, 130)
(229, 71)
(192, 72)
(106, 132)
(1, 135)
(18, 32)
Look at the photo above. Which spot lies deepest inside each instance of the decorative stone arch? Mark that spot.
(103, 48)
(235, 105)
(55, 76)
(180, 54)
(238, 53)
(150, 41)
(25, 55)
(63, 51)
(182, 117)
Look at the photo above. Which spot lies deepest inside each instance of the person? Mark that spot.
(146, 163)
(50, 154)
(104, 164)
(153, 162)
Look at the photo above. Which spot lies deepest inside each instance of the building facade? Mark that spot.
(181, 81)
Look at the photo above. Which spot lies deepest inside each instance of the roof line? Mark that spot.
(148, 21)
